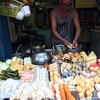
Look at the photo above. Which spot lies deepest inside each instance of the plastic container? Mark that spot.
(6, 10)
(20, 16)
(26, 11)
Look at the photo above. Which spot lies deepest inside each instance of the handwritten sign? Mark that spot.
(85, 3)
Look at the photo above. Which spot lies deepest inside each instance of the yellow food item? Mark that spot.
(92, 54)
(51, 78)
(51, 74)
(82, 84)
(17, 65)
(76, 54)
(80, 59)
(74, 60)
(87, 87)
(66, 56)
(55, 76)
(91, 68)
(28, 66)
(97, 67)
(88, 93)
(83, 54)
(74, 65)
(83, 91)
(92, 58)
(88, 81)
(61, 81)
(92, 89)
(92, 84)
(56, 72)
(96, 79)
(70, 53)
(72, 56)
(81, 95)
(98, 72)
(79, 89)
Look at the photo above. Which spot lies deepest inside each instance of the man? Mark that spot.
(61, 18)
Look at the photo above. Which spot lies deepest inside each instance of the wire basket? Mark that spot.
(10, 11)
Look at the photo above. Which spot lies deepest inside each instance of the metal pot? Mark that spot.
(41, 58)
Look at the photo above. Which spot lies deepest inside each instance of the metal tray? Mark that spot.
(76, 96)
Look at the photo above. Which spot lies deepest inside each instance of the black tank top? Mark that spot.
(63, 26)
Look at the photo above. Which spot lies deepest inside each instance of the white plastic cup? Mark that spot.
(60, 48)
(20, 16)
(26, 11)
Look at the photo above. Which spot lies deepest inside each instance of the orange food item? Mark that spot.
(53, 89)
(62, 92)
(68, 93)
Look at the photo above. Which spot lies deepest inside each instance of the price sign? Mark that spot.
(85, 3)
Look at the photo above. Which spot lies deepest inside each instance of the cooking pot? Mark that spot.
(41, 58)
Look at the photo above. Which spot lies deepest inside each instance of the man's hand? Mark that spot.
(66, 43)
(75, 44)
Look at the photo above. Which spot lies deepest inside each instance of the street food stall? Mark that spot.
(41, 73)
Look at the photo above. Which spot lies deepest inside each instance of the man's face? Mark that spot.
(65, 4)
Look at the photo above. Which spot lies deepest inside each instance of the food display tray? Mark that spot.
(76, 95)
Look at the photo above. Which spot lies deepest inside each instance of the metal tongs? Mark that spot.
(20, 46)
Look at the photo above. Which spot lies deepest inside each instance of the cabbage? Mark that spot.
(3, 66)
(14, 58)
(8, 61)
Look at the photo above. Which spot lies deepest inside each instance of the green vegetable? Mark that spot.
(3, 66)
(3, 77)
(10, 71)
(16, 78)
(9, 67)
(14, 58)
(9, 74)
(34, 46)
(13, 77)
(13, 74)
(8, 62)
(43, 46)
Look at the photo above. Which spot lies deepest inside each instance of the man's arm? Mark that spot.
(77, 27)
(54, 26)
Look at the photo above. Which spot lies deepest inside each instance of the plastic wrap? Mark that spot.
(9, 95)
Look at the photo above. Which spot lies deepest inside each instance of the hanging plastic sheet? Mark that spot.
(5, 38)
